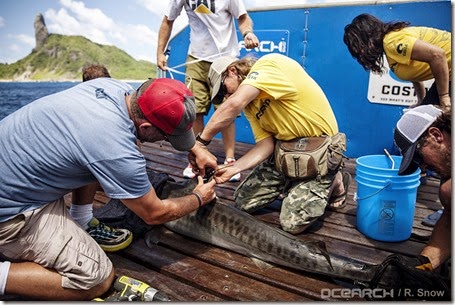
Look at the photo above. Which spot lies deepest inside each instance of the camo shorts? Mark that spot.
(304, 201)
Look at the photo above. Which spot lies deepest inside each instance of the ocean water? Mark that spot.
(14, 95)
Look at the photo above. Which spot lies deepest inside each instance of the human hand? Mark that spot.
(205, 190)
(251, 41)
(200, 158)
(445, 103)
(161, 61)
(225, 172)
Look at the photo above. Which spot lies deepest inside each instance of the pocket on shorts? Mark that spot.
(83, 264)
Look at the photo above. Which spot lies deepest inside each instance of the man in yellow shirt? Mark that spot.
(281, 102)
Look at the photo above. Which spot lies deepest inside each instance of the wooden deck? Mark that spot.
(189, 270)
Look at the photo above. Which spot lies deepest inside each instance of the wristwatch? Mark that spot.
(204, 142)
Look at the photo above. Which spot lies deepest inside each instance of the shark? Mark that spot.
(225, 226)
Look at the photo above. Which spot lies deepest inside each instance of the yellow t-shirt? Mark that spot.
(291, 104)
(398, 48)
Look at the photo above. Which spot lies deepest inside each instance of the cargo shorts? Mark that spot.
(49, 237)
(304, 201)
(198, 83)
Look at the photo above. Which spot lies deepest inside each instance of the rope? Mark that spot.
(173, 69)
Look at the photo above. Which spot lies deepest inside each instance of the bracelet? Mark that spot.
(440, 95)
(199, 198)
(246, 33)
(200, 140)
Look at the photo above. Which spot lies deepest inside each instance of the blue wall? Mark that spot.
(321, 51)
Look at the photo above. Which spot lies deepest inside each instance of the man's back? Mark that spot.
(57, 143)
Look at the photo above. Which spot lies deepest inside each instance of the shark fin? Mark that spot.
(264, 266)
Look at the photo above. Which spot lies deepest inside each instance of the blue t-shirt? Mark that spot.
(67, 140)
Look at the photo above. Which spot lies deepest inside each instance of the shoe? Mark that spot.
(109, 239)
(423, 178)
(188, 172)
(433, 174)
(236, 177)
(344, 196)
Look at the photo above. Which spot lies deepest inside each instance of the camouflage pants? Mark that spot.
(304, 202)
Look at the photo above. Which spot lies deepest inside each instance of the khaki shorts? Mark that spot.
(198, 83)
(49, 237)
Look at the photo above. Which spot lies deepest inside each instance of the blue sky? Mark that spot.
(131, 25)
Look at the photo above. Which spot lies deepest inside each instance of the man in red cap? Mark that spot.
(423, 136)
(68, 141)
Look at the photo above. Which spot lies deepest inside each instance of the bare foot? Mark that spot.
(337, 190)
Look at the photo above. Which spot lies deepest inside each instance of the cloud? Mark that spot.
(26, 39)
(75, 18)
(156, 7)
(159, 8)
(2, 22)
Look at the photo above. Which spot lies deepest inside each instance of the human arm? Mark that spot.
(154, 210)
(229, 110)
(419, 88)
(261, 151)
(436, 59)
(246, 29)
(220, 120)
(438, 248)
(163, 37)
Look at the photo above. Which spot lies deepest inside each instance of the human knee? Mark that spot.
(102, 287)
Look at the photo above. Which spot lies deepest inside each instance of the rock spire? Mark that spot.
(41, 32)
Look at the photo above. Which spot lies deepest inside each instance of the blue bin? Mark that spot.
(385, 201)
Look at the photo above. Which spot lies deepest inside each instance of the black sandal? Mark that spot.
(344, 196)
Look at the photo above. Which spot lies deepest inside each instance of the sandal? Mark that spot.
(344, 196)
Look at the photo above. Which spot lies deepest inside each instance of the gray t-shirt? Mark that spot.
(67, 140)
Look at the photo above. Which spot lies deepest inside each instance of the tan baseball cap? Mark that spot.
(217, 68)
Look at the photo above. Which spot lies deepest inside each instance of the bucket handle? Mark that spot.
(375, 193)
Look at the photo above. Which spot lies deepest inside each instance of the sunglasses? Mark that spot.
(162, 133)
(418, 157)
(138, 90)
(223, 89)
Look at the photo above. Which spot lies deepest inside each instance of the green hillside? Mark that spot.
(62, 58)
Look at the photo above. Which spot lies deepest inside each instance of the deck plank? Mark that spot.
(336, 228)
(190, 270)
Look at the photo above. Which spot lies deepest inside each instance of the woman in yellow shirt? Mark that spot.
(414, 54)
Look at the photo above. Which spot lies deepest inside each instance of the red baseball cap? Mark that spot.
(169, 105)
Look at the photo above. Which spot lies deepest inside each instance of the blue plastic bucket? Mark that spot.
(385, 201)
